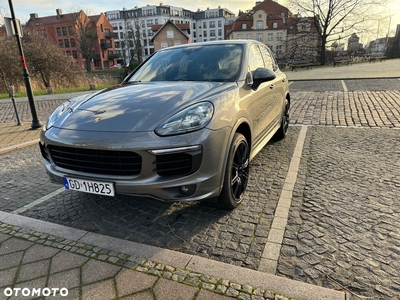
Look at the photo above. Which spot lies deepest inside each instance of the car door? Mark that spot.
(262, 105)
(277, 86)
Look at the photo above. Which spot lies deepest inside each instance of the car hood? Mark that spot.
(136, 106)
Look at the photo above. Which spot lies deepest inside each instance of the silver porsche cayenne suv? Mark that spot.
(183, 126)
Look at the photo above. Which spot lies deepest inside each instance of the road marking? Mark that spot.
(38, 201)
(344, 86)
(272, 248)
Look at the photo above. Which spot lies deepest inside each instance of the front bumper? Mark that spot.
(207, 148)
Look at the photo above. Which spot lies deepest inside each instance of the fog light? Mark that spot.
(184, 190)
(181, 191)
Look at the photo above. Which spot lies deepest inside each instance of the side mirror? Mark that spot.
(262, 75)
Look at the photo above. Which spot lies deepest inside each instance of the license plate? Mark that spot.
(89, 186)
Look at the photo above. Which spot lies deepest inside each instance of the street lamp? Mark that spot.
(35, 121)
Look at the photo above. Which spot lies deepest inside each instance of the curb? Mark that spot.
(18, 146)
(218, 277)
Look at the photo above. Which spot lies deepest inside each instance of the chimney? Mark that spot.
(59, 13)
(34, 16)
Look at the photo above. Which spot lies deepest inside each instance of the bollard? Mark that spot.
(11, 93)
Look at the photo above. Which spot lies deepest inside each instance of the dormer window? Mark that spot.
(244, 26)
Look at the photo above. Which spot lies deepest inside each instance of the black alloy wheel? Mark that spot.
(283, 129)
(236, 173)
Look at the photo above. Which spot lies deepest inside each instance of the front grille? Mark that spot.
(102, 162)
(184, 163)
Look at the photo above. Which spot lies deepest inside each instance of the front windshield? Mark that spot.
(196, 63)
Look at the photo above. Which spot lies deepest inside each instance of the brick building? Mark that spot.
(286, 34)
(66, 30)
(170, 34)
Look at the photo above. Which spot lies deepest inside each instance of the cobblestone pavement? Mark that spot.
(343, 229)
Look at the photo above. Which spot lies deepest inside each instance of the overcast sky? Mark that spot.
(24, 8)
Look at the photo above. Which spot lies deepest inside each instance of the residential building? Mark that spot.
(66, 29)
(287, 35)
(170, 34)
(353, 43)
(378, 46)
(134, 33)
(210, 24)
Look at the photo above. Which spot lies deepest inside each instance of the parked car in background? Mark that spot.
(182, 127)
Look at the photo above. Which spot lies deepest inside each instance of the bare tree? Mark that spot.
(10, 64)
(338, 19)
(48, 61)
(86, 35)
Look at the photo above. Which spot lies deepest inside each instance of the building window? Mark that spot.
(73, 43)
(270, 36)
(64, 30)
(219, 23)
(66, 43)
(240, 36)
(61, 43)
(204, 25)
(177, 43)
(275, 25)
(219, 32)
(259, 37)
(212, 24)
(170, 34)
(260, 24)
(248, 36)
(279, 36)
(279, 49)
(244, 26)
(164, 45)
(59, 32)
(70, 30)
(74, 54)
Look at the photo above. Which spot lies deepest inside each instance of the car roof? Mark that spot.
(219, 42)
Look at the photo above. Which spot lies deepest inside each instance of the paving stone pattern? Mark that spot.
(33, 260)
(343, 229)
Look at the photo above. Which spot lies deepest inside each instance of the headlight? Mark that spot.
(190, 119)
(57, 113)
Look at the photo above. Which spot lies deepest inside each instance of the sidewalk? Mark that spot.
(41, 259)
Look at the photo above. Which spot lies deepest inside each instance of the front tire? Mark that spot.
(283, 129)
(236, 173)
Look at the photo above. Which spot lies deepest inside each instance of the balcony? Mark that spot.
(105, 45)
(108, 35)
(113, 56)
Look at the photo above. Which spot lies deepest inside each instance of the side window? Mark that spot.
(268, 58)
(255, 58)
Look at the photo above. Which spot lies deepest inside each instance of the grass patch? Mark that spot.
(59, 91)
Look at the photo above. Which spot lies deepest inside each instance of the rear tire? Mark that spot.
(283, 129)
(236, 173)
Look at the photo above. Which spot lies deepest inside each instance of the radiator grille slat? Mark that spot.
(103, 162)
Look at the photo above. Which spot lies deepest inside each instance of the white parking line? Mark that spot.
(272, 249)
(344, 86)
(36, 202)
